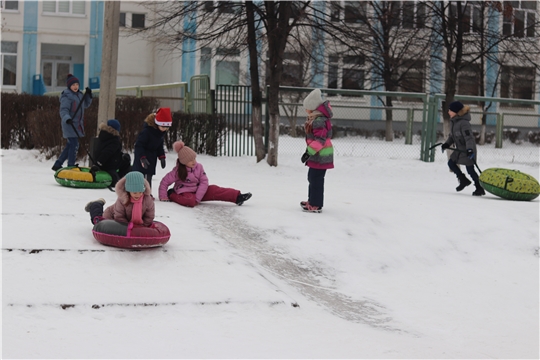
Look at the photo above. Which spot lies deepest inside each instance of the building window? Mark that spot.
(206, 61)
(408, 14)
(517, 83)
(519, 18)
(208, 6)
(471, 16)
(9, 5)
(346, 72)
(68, 7)
(468, 82)
(9, 63)
(228, 68)
(292, 70)
(137, 21)
(122, 19)
(355, 11)
(413, 75)
(228, 7)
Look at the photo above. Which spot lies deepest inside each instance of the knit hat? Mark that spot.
(313, 100)
(115, 124)
(72, 80)
(163, 117)
(135, 182)
(455, 106)
(185, 154)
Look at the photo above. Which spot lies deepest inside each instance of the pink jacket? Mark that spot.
(121, 210)
(196, 182)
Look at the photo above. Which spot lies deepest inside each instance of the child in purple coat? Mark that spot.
(191, 183)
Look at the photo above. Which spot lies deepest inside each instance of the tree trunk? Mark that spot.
(389, 131)
(256, 98)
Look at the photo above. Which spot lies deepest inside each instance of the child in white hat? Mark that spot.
(319, 154)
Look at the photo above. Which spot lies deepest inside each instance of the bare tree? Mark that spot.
(462, 32)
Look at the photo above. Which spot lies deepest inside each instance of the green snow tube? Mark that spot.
(81, 177)
(510, 184)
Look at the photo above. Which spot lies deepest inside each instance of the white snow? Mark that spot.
(398, 265)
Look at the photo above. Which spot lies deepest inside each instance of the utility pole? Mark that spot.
(109, 62)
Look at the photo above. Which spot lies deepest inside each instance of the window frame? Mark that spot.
(509, 23)
(2, 62)
(514, 74)
(56, 12)
(3, 6)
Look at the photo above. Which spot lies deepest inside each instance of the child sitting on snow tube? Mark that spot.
(135, 203)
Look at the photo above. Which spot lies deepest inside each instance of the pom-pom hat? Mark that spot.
(455, 106)
(185, 154)
(313, 100)
(135, 182)
(163, 117)
(115, 124)
(72, 80)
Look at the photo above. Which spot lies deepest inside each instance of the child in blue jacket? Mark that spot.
(72, 123)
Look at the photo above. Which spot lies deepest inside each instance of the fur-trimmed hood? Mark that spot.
(464, 111)
(123, 195)
(104, 127)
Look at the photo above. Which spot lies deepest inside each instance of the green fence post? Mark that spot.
(499, 131)
(409, 126)
(139, 92)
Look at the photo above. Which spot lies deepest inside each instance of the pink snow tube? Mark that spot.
(128, 236)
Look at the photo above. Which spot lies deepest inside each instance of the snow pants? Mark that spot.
(213, 193)
(69, 152)
(470, 169)
(316, 187)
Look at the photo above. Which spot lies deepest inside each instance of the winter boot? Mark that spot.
(312, 209)
(56, 167)
(95, 208)
(303, 204)
(479, 189)
(242, 197)
(463, 182)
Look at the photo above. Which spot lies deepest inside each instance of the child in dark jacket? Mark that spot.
(149, 143)
(319, 154)
(109, 156)
(72, 120)
(191, 183)
(465, 154)
(135, 203)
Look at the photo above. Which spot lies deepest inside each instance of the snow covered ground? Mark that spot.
(398, 265)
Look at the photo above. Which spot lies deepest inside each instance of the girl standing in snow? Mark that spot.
(149, 143)
(319, 155)
(191, 183)
(462, 136)
(72, 118)
(135, 203)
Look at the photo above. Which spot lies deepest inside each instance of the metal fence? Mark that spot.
(359, 124)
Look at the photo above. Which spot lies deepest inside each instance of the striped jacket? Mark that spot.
(318, 138)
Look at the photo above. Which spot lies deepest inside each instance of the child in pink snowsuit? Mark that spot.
(191, 183)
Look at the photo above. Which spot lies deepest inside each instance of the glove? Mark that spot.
(94, 169)
(145, 163)
(305, 157)
(444, 146)
(162, 160)
(470, 154)
(89, 91)
(69, 121)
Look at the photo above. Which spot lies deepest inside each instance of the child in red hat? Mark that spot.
(149, 143)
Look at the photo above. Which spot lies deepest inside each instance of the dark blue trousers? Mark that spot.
(316, 187)
(470, 169)
(69, 152)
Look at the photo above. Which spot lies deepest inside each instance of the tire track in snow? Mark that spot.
(223, 223)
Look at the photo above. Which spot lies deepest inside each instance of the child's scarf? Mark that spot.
(136, 212)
